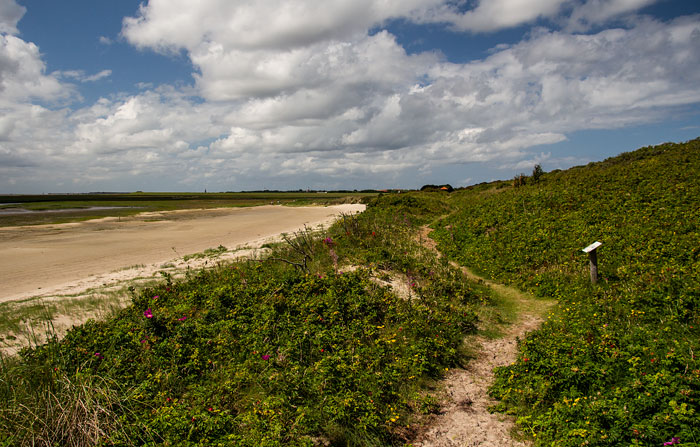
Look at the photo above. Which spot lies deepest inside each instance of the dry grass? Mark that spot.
(58, 410)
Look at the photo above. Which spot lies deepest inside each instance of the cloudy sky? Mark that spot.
(182, 95)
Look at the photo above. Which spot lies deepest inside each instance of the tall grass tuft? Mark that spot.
(56, 409)
(48, 406)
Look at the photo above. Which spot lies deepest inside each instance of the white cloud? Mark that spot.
(10, 14)
(273, 47)
(597, 12)
(97, 76)
(492, 15)
(169, 25)
(337, 106)
(530, 94)
(495, 15)
(22, 73)
(79, 75)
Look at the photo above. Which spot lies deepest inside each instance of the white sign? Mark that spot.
(592, 247)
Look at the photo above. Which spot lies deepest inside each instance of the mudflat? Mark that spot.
(39, 260)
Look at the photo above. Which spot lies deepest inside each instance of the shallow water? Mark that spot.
(19, 211)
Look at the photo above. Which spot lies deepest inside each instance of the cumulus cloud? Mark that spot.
(431, 113)
(339, 105)
(23, 73)
(169, 25)
(273, 47)
(10, 14)
(526, 95)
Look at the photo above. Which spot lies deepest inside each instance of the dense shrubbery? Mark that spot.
(617, 364)
(306, 347)
(274, 352)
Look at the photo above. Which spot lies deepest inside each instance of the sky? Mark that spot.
(232, 95)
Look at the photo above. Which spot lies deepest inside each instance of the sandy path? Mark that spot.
(464, 419)
(41, 260)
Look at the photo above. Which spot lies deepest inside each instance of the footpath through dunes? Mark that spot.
(46, 260)
(464, 418)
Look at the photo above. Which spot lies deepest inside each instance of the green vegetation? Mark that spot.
(208, 253)
(300, 348)
(19, 318)
(308, 346)
(617, 363)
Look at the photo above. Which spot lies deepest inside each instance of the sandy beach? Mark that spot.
(45, 260)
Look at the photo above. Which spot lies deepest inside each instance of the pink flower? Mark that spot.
(156, 297)
(182, 318)
(266, 357)
(673, 441)
(147, 313)
(99, 356)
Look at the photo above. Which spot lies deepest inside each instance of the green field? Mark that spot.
(59, 208)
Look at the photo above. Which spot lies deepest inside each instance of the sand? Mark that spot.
(464, 419)
(46, 260)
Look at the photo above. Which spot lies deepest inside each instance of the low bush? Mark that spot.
(617, 363)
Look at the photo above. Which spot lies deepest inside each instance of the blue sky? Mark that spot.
(175, 95)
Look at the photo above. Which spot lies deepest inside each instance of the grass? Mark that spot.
(24, 322)
(208, 253)
(131, 267)
(74, 410)
(21, 321)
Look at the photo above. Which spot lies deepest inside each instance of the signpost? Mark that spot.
(593, 259)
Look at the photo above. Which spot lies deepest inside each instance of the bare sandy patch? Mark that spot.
(62, 259)
(73, 272)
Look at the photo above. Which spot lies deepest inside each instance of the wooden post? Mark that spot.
(592, 251)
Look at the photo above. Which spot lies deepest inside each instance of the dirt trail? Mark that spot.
(464, 419)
